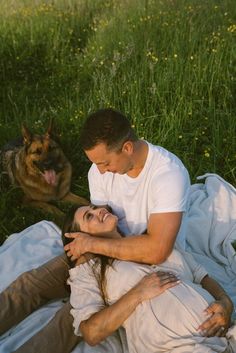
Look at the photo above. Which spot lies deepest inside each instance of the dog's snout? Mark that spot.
(48, 164)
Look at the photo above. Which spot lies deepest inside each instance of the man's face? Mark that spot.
(111, 161)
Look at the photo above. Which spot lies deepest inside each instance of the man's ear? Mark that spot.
(128, 147)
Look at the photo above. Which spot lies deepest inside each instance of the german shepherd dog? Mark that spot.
(38, 165)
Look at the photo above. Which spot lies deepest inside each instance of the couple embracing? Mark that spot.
(126, 250)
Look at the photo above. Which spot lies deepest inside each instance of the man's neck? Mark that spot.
(139, 157)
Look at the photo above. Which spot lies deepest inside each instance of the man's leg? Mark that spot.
(56, 337)
(33, 289)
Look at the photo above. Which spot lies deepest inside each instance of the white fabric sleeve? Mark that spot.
(85, 295)
(170, 191)
(198, 271)
(96, 188)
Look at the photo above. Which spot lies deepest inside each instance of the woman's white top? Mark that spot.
(168, 322)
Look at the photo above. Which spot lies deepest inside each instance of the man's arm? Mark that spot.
(152, 248)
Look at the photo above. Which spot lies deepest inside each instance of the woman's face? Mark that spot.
(95, 220)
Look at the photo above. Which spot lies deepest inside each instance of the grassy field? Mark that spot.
(169, 65)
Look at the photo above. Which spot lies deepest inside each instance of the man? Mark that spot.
(146, 186)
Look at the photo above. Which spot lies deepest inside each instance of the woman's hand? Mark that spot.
(217, 324)
(155, 284)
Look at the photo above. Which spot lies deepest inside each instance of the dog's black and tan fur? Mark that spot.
(38, 165)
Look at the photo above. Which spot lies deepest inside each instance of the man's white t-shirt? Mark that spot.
(162, 186)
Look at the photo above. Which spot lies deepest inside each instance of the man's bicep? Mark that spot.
(170, 194)
(163, 229)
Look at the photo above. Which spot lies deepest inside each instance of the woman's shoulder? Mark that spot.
(82, 269)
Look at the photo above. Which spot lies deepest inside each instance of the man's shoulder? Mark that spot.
(163, 161)
(166, 155)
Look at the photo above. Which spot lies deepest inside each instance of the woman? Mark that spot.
(107, 294)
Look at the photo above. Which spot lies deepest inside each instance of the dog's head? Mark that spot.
(42, 154)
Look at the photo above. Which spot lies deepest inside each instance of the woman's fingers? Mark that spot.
(216, 324)
(169, 283)
(167, 278)
(215, 330)
(155, 284)
(221, 331)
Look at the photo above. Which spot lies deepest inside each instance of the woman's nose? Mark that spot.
(101, 213)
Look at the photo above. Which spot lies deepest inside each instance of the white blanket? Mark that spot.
(210, 226)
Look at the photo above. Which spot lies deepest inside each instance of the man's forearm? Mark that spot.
(152, 248)
(137, 248)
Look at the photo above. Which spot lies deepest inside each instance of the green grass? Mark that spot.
(169, 65)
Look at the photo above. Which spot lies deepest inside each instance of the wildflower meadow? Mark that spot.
(167, 64)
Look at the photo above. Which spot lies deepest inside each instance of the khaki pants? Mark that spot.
(27, 293)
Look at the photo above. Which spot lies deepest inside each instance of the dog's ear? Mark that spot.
(49, 131)
(27, 136)
(52, 131)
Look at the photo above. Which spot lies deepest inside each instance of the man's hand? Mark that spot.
(78, 246)
(219, 318)
(155, 284)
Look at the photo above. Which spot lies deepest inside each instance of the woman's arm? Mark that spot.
(220, 310)
(105, 322)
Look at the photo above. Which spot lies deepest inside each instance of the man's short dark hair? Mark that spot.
(106, 126)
